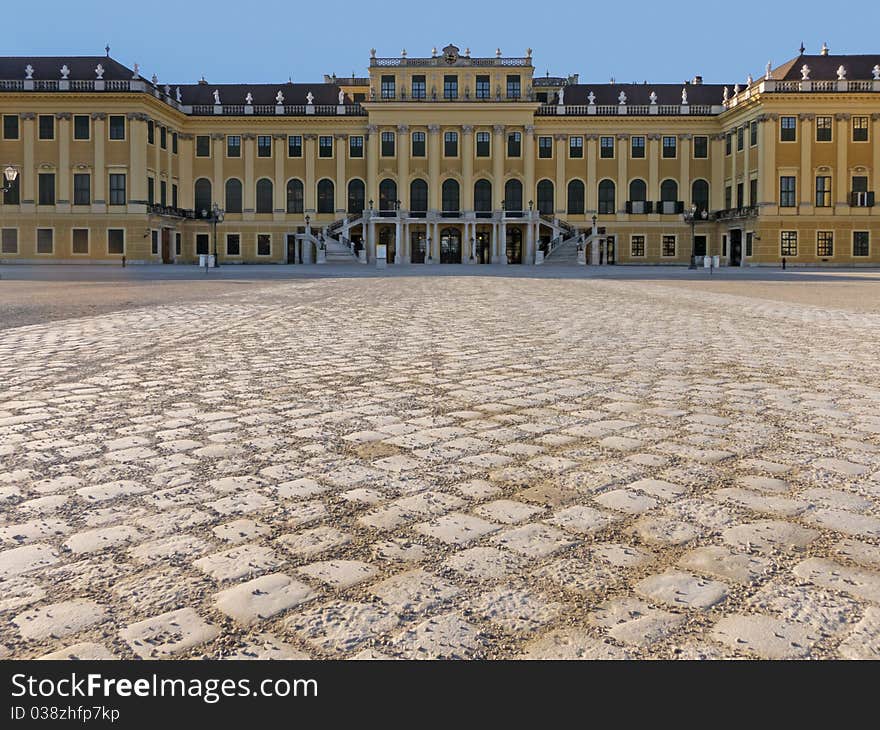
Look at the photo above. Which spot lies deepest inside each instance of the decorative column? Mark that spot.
(99, 170)
(594, 247)
(875, 164)
(169, 172)
(734, 171)
(592, 194)
(805, 178)
(402, 147)
(137, 177)
(250, 190)
(310, 192)
(498, 167)
(502, 244)
(340, 189)
(217, 154)
(434, 167)
(29, 170)
(684, 152)
(561, 190)
(185, 170)
(528, 166)
(768, 144)
(372, 163)
(623, 186)
(279, 204)
(841, 177)
(716, 189)
(654, 169)
(157, 162)
(64, 174)
(467, 169)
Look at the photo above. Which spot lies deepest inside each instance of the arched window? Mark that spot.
(606, 197)
(264, 196)
(387, 195)
(700, 195)
(325, 196)
(545, 197)
(418, 197)
(513, 196)
(295, 196)
(669, 191)
(450, 192)
(233, 195)
(483, 198)
(638, 191)
(576, 198)
(356, 196)
(203, 195)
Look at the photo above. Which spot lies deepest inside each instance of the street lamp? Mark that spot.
(10, 174)
(215, 216)
(694, 216)
(473, 248)
(531, 205)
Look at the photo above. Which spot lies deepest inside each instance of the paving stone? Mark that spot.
(262, 597)
(414, 591)
(339, 573)
(864, 640)
(849, 523)
(722, 562)
(456, 528)
(484, 563)
(765, 636)
(840, 466)
(169, 548)
(764, 484)
(308, 543)
(340, 626)
(632, 621)
(826, 612)
(662, 531)
(533, 540)
(515, 610)
(238, 531)
(768, 535)
(245, 560)
(59, 619)
(857, 582)
(582, 520)
(442, 637)
(576, 575)
(507, 511)
(167, 634)
(623, 500)
(102, 538)
(571, 644)
(85, 651)
(622, 556)
(682, 589)
(859, 552)
(772, 504)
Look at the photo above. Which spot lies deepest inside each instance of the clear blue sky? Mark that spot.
(269, 40)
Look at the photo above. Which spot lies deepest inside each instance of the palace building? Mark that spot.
(447, 158)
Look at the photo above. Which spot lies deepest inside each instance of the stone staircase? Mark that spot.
(564, 253)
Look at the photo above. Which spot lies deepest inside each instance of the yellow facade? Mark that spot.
(784, 167)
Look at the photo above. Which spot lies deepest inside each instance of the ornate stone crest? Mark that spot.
(450, 54)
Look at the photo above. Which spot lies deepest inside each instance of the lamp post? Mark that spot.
(215, 216)
(473, 248)
(694, 216)
(10, 174)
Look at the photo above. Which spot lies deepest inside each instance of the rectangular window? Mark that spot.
(418, 144)
(295, 145)
(637, 147)
(418, 87)
(355, 147)
(513, 87)
(233, 145)
(788, 129)
(11, 196)
(606, 147)
(483, 144)
(637, 246)
(163, 193)
(860, 129)
(45, 240)
(787, 191)
(483, 87)
(264, 244)
(450, 144)
(740, 198)
(753, 191)
(325, 146)
(173, 195)
(823, 191)
(824, 125)
(740, 138)
(386, 86)
(163, 137)
(117, 189)
(576, 147)
(154, 242)
(117, 126)
(203, 145)
(727, 143)
(9, 240)
(46, 181)
(174, 143)
(264, 145)
(151, 191)
(824, 243)
(701, 148)
(545, 147)
(668, 246)
(233, 244)
(82, 189)
(387, 146)
(151, 132)
(178, 241)
(116, 241)
(450, 86)
(81, 127)
(753, 134)
(514, 144)
(788, 243)
(47, 126)
(750, 236)
(861, 241)
(728, 197)
(670, 146)
(10, 130)
(202, 241)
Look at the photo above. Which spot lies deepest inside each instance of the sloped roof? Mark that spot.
(203, 93)
(825, 67)
(82, 68)
(641, 93)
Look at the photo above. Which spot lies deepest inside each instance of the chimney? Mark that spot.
(698, 80)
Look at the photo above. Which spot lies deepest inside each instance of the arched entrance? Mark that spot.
(514, 245)
(484, 245)
(450, 246)
(386, 236)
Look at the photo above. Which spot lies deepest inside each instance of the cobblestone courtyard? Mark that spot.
(451, 466)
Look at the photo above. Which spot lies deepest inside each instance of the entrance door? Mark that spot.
(611, 249)
(484, 247)
(514, 245)
(291, 249)
(699, 246)
(166, 246)
(417, 247)
(386, 236)
(736, 235)
(450, 246)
